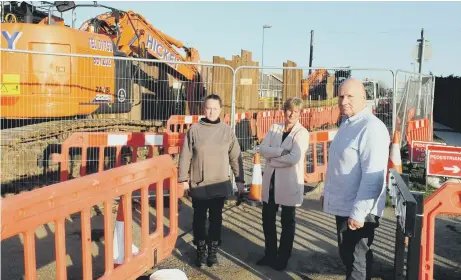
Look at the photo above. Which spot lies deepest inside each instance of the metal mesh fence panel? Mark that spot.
(259, 103)
(414, 100)
(47, 97)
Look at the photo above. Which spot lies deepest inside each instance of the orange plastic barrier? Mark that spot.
(316, 165)
(238, 117)
(102, 140)
(23, 213)
(305, 118)
(181, 123)
(419, 130)
(446, 200)
(177, 126)
(279, 116)
(264, 121)
(335, 114)
(317, 118)
(247, 116)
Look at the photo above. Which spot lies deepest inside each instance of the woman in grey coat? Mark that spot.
(209, 148)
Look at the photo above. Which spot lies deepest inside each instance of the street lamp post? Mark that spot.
(262, 61)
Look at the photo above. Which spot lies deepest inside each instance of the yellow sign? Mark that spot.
(246, 81)
(11, 84)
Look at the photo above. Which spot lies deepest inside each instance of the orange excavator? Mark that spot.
(56, 80)
(47, 86)
(319, 76)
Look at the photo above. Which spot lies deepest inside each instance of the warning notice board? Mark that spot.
(444, 161)
(418, 151)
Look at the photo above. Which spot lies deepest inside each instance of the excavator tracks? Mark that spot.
(26, 150)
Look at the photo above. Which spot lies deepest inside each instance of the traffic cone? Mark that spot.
(257, 180)
(119, 238)
(395, 160)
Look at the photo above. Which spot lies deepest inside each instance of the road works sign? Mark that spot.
(444, 161)
(418, 151)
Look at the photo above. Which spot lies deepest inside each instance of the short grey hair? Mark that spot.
(293, 102)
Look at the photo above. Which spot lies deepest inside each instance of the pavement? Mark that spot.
(315, 254)
(449, 135)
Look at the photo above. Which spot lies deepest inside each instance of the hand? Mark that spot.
(186, 186)
(240, 188)
(285, 152)
(183, 189)
(321, 202)
(353, 224)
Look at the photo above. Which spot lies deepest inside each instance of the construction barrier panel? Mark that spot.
(279, 116)
(305, 118)
(177, 127)
(419, 130)
(317, 155)
(103, 141)
(446, 200)
(23, 213)
(264, 121)
(158, 97)
(245, 128)
(41, 106)
(414, 101)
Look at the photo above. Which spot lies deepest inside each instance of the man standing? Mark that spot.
(355, 182)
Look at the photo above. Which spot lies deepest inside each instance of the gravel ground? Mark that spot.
(314, 255)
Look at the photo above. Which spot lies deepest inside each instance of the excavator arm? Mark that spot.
(312, 81)
(138, 37)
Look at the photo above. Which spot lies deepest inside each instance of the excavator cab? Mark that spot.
(64, 6)
(70, 86)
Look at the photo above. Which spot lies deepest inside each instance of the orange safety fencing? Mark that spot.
(103, 141)
(305, 118)
(177, 127)
(245, 124)
(181, 123)
(264, 121)
(279, 116)
(316, 161)
(418, 130)
(323, 117)
(260, 123)
(446, 200)
(311, 118)
(24, 213)
(238, 117)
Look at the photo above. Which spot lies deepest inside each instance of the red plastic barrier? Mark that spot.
(264, 121)
(22, 214)
(279, 116)
(446, 200)
(305, 118)
(419, 130)
(101, 140)
(177, 127)
(319, 139)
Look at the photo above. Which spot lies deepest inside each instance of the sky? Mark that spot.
(355, 34)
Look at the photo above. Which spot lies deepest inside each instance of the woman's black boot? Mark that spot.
(201, 253)
(212, 251)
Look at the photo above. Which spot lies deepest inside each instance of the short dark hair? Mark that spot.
(214, 97)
